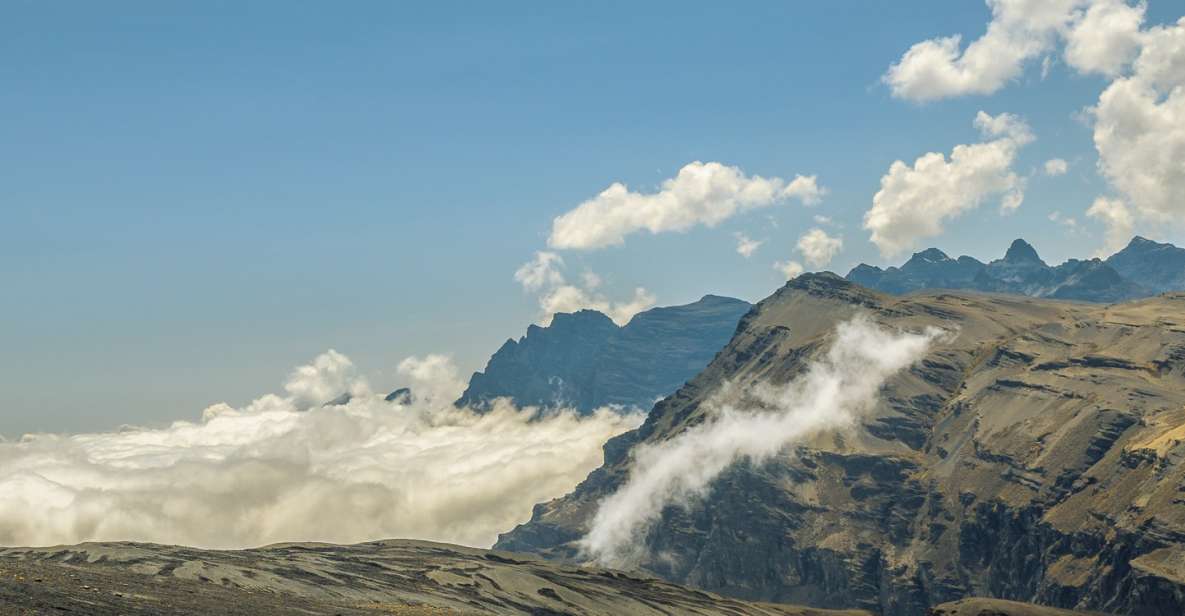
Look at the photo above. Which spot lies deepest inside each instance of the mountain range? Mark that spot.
(1038, 455)
(1142, 269)
(586, 361)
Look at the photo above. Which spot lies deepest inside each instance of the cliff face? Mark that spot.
(1037, 456)
(585, 361)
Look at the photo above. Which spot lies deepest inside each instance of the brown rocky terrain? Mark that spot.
(412, 578)
(997, 607)
(1036, 456)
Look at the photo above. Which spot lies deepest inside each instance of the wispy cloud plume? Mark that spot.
(287, 468)
(756, 424)
(544, 275)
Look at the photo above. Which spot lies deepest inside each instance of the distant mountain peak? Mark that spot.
(584, 360)
(1022, 252)
(929, 255)
(1142, 269)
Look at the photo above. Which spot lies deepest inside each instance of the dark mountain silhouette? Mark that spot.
(584, 360)
(1142, 269)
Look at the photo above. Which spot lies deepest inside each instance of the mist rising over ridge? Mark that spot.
(1035, 456)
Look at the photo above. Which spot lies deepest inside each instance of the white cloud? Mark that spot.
(914, 201)
(435, 378)
(755, 423)
(1117, 219)
(1139, 128)
(1020, 30)
(746, 246)
(1100, 36)
(700, 194)
(1104, 37)
(271, 472)
(543, 274)
(1056, 166)
(790, 269)
(1070, 223)
(330, 375)
(540, 272)
(818, 248)
(821, 219)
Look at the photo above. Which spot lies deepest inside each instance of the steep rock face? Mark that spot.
(1160, 267)
(1022, 272)
(586, 361)
(1037, 456)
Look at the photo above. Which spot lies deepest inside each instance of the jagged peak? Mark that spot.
(1022, 252)
(929, 255)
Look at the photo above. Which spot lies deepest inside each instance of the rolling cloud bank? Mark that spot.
(754, 423)
(290, 468)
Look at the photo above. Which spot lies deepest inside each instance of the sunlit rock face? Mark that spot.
(585, 361)
(1036, 455)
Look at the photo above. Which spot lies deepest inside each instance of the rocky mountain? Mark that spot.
(409, 578)
(1037, 456)
(1160, 267)
(586, 361)
(1142, 269)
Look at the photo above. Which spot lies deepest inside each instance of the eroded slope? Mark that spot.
(1036, 456)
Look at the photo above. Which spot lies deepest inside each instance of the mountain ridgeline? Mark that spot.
(1037, 455)
(585, 361)
(1142, 269)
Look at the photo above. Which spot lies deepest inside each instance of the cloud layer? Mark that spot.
(915, 200)
(756, 424)
(271, 472)
(700, 194)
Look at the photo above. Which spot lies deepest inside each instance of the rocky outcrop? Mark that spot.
(1038, 456)
(1141, 270)
(585, 361)
(1160, 267)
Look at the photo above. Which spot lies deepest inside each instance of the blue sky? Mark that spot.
(198, 196)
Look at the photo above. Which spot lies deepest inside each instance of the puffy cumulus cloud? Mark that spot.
(754, 423)
(700, 194)
(915, 200)
(818, 248)
(544, 275)
(1117, 219)
(434, 378)
(746, 246)
(790, 269)
(330, 375)
(272, 472)
(1056, 166)
(1100, 36)
(1139, 129)
(1104, 37)
(1019, 30)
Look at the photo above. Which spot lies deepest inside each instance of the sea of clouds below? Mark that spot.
(286, 468)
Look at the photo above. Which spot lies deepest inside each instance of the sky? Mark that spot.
(197, 196)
